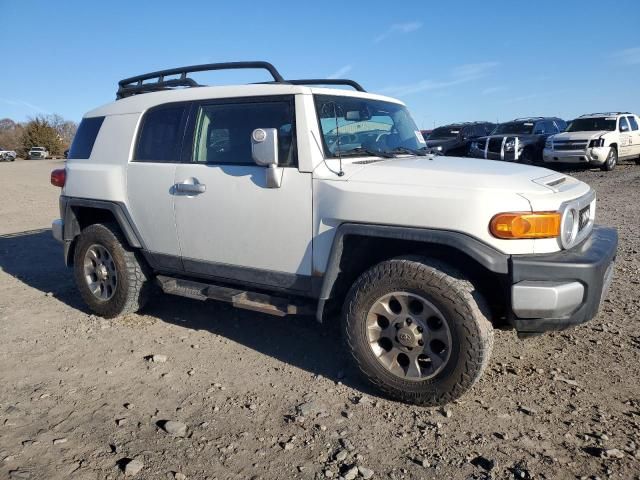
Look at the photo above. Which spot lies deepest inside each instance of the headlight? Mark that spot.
(548, 143)
(569, 227)
(598, 142)
(439, 148)
(474, 144)
(509, 145)
(513, 225)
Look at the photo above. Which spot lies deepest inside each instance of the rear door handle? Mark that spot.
(192, 188)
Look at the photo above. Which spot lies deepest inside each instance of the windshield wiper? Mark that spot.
(368, 151)
(409, 151)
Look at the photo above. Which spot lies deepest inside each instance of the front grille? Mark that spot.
(582, 145)
(583, 217)
(495, 145)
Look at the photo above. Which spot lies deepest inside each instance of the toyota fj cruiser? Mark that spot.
(596, 139)
(288, 198)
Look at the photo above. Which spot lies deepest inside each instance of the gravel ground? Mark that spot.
(256, 396)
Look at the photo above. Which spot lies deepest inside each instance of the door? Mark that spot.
(634, 135)
(625, 148)
(150, 175)
(230, 225)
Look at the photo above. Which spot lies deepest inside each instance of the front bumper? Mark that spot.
(593, 156)
(559, 290)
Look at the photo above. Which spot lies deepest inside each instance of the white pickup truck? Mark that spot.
(599, 139)
(288, 198)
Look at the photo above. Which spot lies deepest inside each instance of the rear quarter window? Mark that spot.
(85, 137)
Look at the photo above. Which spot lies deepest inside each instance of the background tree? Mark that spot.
(40, 133)
(11, 135)
(66, 129)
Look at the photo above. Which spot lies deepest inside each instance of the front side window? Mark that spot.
(624, 126)
(633, 123)
(160, 138)
(223, 131)
(358, 126)
(594, 124)
(521, 128)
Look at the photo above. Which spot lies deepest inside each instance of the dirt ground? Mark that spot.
(266, 397)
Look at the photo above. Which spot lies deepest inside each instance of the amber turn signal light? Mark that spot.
(58, 177)
(526, 225)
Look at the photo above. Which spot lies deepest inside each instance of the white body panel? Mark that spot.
(239, 221)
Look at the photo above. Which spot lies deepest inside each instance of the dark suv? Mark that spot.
(520, 140)
(455, 139)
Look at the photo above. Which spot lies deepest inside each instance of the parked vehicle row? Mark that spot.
(598, 139)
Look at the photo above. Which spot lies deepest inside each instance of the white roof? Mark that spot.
(144, 101)
(605, 114)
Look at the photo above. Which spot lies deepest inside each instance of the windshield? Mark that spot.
(592, 124)
(38, 149)
(522, 128)
(444, 132)
(362, 126)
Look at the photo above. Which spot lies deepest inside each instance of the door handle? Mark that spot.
(192, 188)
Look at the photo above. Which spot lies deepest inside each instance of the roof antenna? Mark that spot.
(335, 116)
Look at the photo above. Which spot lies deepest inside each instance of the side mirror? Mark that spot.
(624, 128)
(264, 150)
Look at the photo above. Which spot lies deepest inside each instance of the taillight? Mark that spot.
(58, 177)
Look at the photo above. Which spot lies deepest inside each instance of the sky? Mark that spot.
(448, 61)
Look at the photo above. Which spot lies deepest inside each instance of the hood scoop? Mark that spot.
(553, 181)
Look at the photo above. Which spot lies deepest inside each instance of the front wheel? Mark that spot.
(108, 274)
(611, 161)
(418, 330)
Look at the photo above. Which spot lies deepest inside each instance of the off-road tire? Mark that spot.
(611, 161)
(132, 289)
(454, 295)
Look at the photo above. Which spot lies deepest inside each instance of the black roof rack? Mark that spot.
(605, 114)
(155, 81)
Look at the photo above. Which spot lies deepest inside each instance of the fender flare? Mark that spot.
(72, 227)
(490, 258)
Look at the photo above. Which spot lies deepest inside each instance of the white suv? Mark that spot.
(288, 198)
(597, 139)
(39, 153)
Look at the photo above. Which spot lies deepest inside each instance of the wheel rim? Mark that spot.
(100, 272)
(612, 158)
(409, 336)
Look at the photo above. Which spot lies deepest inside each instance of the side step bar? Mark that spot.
(259, 302)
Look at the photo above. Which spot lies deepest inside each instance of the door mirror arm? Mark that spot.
(264, 150)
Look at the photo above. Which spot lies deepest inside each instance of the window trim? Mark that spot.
(182, 128)
(189, 136)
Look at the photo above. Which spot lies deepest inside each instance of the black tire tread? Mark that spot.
(136, 294)
(455, 287)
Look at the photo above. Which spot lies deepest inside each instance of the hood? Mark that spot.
(453, 172)
(579, 135)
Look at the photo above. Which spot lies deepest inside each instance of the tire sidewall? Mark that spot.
(355, 324)
(608, 164)
(101, 235)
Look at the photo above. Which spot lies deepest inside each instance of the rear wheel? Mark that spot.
(108, 274)
(611, 161)
(417, 330)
